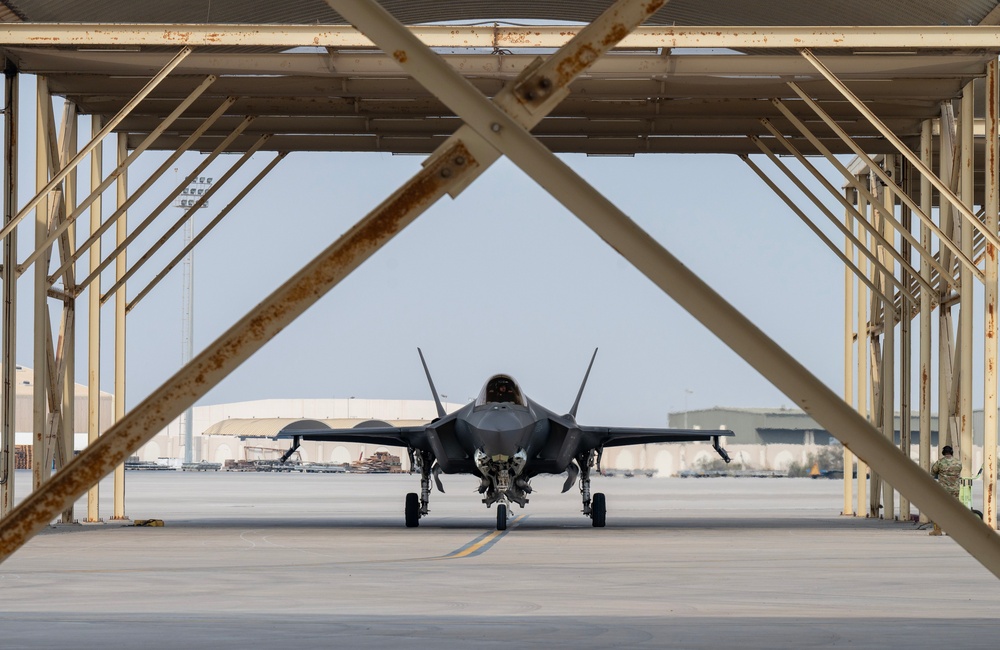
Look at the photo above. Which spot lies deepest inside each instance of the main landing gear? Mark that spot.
(598, 510)
(417, 505)
(594, 507)
(412, 510)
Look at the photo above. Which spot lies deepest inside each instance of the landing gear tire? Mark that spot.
(599, 510)
(502, 517)
(412, 510)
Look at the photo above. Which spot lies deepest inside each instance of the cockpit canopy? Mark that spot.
(500, 389)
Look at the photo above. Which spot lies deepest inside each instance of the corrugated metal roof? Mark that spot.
(631, 102)
(677, 12)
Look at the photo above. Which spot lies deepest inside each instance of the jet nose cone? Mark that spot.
(501, 418)
(502, 430)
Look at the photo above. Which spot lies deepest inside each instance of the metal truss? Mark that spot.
(877, 252)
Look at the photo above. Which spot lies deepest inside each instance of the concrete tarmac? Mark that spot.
(308, 561)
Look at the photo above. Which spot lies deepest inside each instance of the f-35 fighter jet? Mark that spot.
(505, 439)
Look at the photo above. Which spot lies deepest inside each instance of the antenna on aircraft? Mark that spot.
(437, 400)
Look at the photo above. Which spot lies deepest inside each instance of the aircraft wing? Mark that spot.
(621, 436)
(371, 432)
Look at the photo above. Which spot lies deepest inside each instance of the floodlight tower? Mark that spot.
(187, 200)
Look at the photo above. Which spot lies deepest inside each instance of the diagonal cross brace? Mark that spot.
(505, 135)
(448, 170)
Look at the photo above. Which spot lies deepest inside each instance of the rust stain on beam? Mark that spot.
(442, 172)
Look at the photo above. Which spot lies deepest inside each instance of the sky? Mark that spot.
(500, 279)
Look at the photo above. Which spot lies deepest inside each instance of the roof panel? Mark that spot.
(677, 12)
(627, 103)
(652, 100)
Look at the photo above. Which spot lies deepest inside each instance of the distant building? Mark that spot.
(24, 384)
(245, 430)
(765, 438)
(762, 426)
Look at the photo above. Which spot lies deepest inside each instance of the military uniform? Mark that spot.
(948, 471)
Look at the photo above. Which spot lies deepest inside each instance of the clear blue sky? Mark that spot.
(503, 279)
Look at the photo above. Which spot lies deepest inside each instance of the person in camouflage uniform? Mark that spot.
(947, 470)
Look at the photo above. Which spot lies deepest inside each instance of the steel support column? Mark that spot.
(967, 295)
(121, 264)
(888, 375)
(905, 341)
(946, 163)
(42, 334)
(926, 305)
(875, 328)
(849, 338)
(863, 317)
(991, 207)
(8, 346)
(64, 383)
(94, 319)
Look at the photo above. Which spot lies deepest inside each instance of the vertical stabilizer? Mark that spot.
(576, 404)
(437, 400)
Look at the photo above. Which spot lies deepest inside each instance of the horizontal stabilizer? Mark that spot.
(370, 432)
(621, 436)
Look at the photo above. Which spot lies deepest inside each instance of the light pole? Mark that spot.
(686, 393)
(186, 201)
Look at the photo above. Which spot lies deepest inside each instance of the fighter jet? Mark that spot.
(505, 439)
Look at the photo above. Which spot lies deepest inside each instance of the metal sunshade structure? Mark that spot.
(237, 84)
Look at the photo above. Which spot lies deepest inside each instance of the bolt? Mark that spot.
(460, 160)
(544, 82)
(445, 173)
(495, 127)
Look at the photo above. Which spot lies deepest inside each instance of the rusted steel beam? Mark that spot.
(449, 170)
(487, 36)
(244, 338)
(992, 170)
